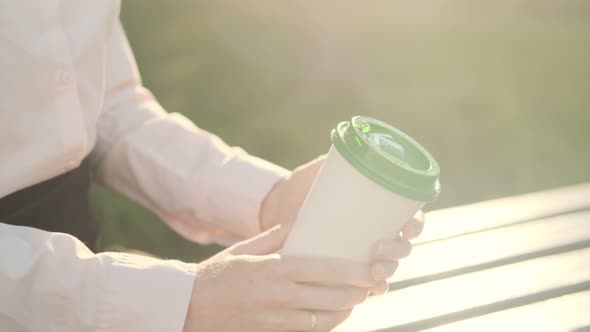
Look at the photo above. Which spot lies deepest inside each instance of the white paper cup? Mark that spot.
(375, 178)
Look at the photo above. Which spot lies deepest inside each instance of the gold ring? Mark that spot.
(313, 320)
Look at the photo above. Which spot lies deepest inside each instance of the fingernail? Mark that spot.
(411, 234)
(378, 249)
(379, 272)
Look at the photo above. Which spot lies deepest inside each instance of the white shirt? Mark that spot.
(70, 89)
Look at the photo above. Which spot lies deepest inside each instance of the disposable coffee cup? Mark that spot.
(374, 180)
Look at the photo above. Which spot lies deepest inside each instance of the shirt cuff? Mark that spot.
(144, 294)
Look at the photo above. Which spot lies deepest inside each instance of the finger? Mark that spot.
(315, 297)
(265, 243)
(288, 197)
(420, 216)
(392, 249)
(302, 178)
(324, 320)
(414, 227)
(381, 287)
(307, 173)
(327, 271)
(383, 270)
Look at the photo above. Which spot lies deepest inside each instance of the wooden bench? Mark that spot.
(512, 264)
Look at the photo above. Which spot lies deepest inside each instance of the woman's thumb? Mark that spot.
(263, 244)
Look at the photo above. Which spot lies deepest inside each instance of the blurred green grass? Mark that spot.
(498, 91)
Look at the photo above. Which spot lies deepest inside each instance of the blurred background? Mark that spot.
(498, 91)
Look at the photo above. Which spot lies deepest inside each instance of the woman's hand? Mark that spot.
(287, 196)
(248, 287)
(390, 250)
(284, 200)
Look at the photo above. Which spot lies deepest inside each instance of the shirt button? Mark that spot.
(70, 165)
(65, 77)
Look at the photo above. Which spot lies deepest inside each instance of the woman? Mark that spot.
(72, 105)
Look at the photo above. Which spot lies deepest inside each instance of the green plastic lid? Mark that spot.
(388, 157)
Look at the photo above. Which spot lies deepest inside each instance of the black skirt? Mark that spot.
(60, 205)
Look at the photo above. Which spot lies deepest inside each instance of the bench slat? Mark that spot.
(471, 295)
(494, 247)
(476, 217)
(567, 313)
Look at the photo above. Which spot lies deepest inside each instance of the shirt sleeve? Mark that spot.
(52, 282)
(204, 189)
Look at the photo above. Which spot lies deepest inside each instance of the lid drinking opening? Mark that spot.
(393, 148)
